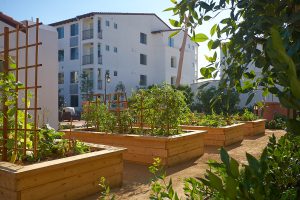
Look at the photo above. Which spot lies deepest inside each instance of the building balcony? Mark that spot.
(87, 34)
(74, 88)
(100, 59)
(88, 59)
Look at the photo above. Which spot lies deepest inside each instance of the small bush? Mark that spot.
(213, 120)
(246, 116)
(279, 122)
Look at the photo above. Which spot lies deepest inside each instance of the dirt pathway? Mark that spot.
(136, 177)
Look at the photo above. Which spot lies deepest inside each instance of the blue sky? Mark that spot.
(49, 11)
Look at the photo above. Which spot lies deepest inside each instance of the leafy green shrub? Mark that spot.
(98, 116)
(246, 116)
(279, 122)
(213, 120)
(213, 100)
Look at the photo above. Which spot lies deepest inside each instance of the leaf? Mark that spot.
(253, 162)
(207, 71)
(249, 99)
(215, 181)
(231, 187)
(168, 9)
(200, 37)
(174, 1)
(224, 157)
(293, 126)
(213, 29)
(174, 23)
(174, 33)
(234, 168)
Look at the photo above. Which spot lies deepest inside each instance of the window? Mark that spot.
(99, 79)
(74, 29)
(171, 42)
(143, 80)
(74, 53)
(61, 78)
(61, 55)
(74, 100)
(115, 25)
(115, 73)
(143, 59)
(107, 23)
(173, 80)
(143, 38)
(173, 62)
(115, 49)
(74, 77)
(60, 32)
(107, 47)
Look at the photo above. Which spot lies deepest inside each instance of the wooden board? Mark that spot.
(143, 149)
(67, 178)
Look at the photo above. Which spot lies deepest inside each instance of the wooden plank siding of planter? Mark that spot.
(256, 127)
(143, 149)
(67, 178)
(221, 136)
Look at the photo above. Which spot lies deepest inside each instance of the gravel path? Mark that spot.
(136, 177)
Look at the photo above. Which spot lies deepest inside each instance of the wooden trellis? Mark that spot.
(18, 47)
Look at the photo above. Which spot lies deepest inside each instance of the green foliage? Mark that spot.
(105, 191)
(218, 101)
(213, 120)
(98, 116)
(120, 87)
(86, 86)
(279, 122)
(162, 108)
(160, 190)
(188, 94)
(246, 116)
(259, 33)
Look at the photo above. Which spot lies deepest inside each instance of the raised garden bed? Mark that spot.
(142, 149)
(255, 127)
(66, 178)
(220, 136)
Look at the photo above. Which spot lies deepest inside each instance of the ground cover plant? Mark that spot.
(158, 110)
(279, 122)
(212, 120)
(246, 115)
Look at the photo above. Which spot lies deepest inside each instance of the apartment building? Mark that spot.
(132, 48)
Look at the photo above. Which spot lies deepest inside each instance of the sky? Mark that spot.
(49, 11)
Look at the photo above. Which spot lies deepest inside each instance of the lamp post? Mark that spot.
(107, 80)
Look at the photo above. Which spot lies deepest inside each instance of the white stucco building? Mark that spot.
(47, 73)
(134, 48)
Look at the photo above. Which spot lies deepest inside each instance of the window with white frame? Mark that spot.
(107, 47)
(171, 42)
(74, 53)
(60, 32)
(115, 25)
(115, 49)
(115, 73)
(107, 23)
(74, 29)
(143, 59)
(74, 100)
(173, 62)
(143, 38)
(143, 80)
(61, 55)
(61, 78)
(74, 77)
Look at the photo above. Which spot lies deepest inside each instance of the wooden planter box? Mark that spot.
(66, 178)
(222, 136)
(142, 149)
(255, 127)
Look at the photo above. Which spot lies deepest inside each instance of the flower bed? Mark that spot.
(220, 136)
(142, 148)
(255, 127)
(66, 178)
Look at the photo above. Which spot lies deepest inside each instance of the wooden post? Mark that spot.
(4, 107)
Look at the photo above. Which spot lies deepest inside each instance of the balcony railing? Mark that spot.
(100, 59)
(88, 59)
(87, 34)
(100, 34)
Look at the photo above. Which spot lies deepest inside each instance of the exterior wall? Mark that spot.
(126, 61)
(47, 74)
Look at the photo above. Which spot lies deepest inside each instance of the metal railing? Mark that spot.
(87, 34)
(74, 88)
(88, 59)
